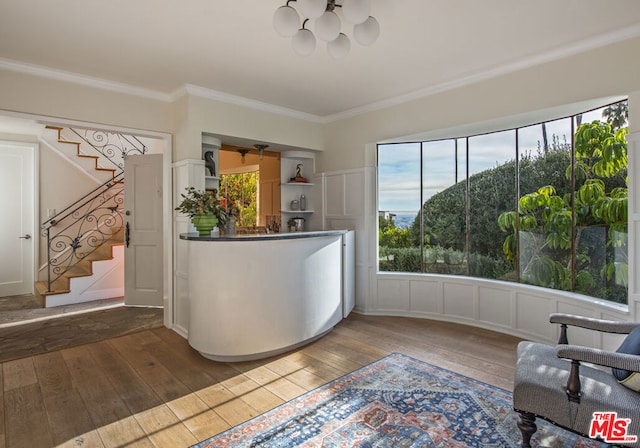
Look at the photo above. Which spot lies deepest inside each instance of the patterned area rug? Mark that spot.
(395, 402)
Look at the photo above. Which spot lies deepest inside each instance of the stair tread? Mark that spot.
(78, 144)
(57, 287)
(84, 267)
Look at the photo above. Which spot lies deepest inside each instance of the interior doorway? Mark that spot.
(246, 175)
(18, 217)
(239, 193)
(29, 127)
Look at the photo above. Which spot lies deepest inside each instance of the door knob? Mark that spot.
(26, 237)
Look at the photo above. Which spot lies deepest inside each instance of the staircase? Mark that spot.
(73, 146)
(82, 282)
(84, 242)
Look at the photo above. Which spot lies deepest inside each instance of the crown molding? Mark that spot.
(89, 81)
(549, 56)
(99, 83)
(188, 89)
(202, 92)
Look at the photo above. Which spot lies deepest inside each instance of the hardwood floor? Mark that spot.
(150, 389)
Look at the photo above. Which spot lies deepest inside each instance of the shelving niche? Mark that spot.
(213, 144)
(289, 189)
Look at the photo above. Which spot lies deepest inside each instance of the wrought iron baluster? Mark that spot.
(82, 228)
(114, 147)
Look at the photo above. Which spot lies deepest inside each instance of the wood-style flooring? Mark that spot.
(151, 389)
(26, 328)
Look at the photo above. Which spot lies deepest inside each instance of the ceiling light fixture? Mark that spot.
(261, 147)
(243, 152)
(327, 25)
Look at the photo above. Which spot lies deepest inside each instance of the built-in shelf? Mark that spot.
(211, 143)
(298, 184)
(292, 190)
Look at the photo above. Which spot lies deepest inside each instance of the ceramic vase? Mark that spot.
(204, 224)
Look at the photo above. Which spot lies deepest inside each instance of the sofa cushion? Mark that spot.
(630, 346)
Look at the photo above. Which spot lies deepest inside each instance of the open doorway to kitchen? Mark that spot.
(250, 186)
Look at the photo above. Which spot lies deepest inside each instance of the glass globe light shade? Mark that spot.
(339, 47)
(328, 26)
(367, 32)
(312, 9)
(356, 11)
(303, 42)
(286, 21)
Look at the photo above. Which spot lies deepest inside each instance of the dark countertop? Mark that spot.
(261, 237)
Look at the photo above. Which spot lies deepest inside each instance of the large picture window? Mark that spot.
(544, 204)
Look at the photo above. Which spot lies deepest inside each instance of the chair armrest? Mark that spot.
(607, 326)
(600, 357)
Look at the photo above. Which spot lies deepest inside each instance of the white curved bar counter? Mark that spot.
(253, 296)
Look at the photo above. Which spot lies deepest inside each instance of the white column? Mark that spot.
(186, 173)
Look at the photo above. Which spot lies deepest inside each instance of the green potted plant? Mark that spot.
(204, 210)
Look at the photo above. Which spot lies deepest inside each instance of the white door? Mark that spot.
(17, 219)
(143, 285)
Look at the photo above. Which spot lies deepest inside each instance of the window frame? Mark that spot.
(517, 152)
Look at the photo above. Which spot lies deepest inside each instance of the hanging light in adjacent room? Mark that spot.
(261, 147)
(327, 24)
(243, 152)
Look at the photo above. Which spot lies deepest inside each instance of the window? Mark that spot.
(544, 204)
(239, 194)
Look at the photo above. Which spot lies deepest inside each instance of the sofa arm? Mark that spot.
(600, 357)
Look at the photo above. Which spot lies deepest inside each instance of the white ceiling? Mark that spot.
(230, 47)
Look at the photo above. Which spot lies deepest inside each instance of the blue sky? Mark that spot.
(399, 164)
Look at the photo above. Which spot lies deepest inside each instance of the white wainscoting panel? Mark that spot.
(334, 194)
(346, 205)
(532, 316)
(393, 296)
(510, 308)
(459, 300)
(495, 307)
(353, 182)
(426, 297)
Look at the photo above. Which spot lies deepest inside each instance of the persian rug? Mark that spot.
(397, 401)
